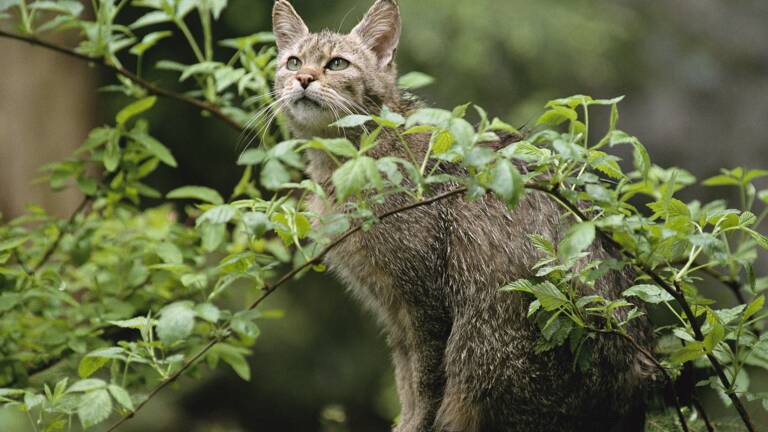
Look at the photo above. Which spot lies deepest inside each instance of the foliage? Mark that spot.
(104, 309)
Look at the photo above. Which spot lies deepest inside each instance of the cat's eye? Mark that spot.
(337, 64)
(293, 64)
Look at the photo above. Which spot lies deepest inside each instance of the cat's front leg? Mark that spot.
(421, 379)
(403, 379)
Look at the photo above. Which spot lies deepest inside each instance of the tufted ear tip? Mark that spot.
(380, 30)
(287, 25)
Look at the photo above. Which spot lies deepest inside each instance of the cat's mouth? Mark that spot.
(307, 101)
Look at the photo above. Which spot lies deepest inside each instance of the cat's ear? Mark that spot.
(287, 24)
(380, 30)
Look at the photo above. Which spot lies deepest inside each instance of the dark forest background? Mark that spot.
(695, 74)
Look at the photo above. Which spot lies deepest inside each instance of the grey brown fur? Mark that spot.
(462, 350)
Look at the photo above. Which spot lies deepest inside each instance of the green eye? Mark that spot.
(293, 64)
(337, 64)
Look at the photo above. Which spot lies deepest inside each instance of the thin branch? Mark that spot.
(704, 416)
(52, 248)
(269, 289)
(667, 377)
(148, 86)
(674, 290)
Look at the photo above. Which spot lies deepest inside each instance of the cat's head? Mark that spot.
(323, 76)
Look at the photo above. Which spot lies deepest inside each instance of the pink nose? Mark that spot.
(305, 79)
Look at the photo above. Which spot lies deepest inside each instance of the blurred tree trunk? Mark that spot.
(46, 110)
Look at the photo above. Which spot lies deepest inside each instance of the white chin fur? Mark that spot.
(310, 119)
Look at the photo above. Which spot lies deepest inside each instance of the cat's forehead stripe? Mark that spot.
(318, 47)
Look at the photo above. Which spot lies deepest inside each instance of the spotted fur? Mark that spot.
(463, 351)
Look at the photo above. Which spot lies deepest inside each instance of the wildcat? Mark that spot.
(463, 351)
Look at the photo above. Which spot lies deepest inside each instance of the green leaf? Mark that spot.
(414, 80)
(648, 293)
(196, 281)
(89, 365)
(499, 125)
(550, 297)
(149, 41)
(721, 180)
(121, 396)
(578, 238)
(556, 116)
(201, 193)
(204, 68)
(274, 175)
(689, 352)
(12, 243)
(429, 116)
(94, 407)
(176, 322)
(753, 174)
(138, 323)
(154, 17)
(252, 157)
(208, 312)
(238, 363)
(352, 177)
(759, 238)
(112, 153)
(135, 109)
(155, 148)
(218, 215)
(87, 385)
(442, 142)
(350, 121)
(507, 182)
(338, 146)
(169, 253)
(754, 307)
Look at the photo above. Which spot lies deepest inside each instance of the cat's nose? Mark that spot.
(305, 79)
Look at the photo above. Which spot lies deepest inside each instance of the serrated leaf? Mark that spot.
(94, 407)
(648, 293)
(121, 396)
(87, 385)
(429, 116)
(350, 121)
(550, 297)
(507, 182)
(218, 215)
(338, 146)
(176, 322)
(578, 238)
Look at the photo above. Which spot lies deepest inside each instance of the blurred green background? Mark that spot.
(695, 73)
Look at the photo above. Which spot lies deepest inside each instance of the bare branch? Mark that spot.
(148, 86)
